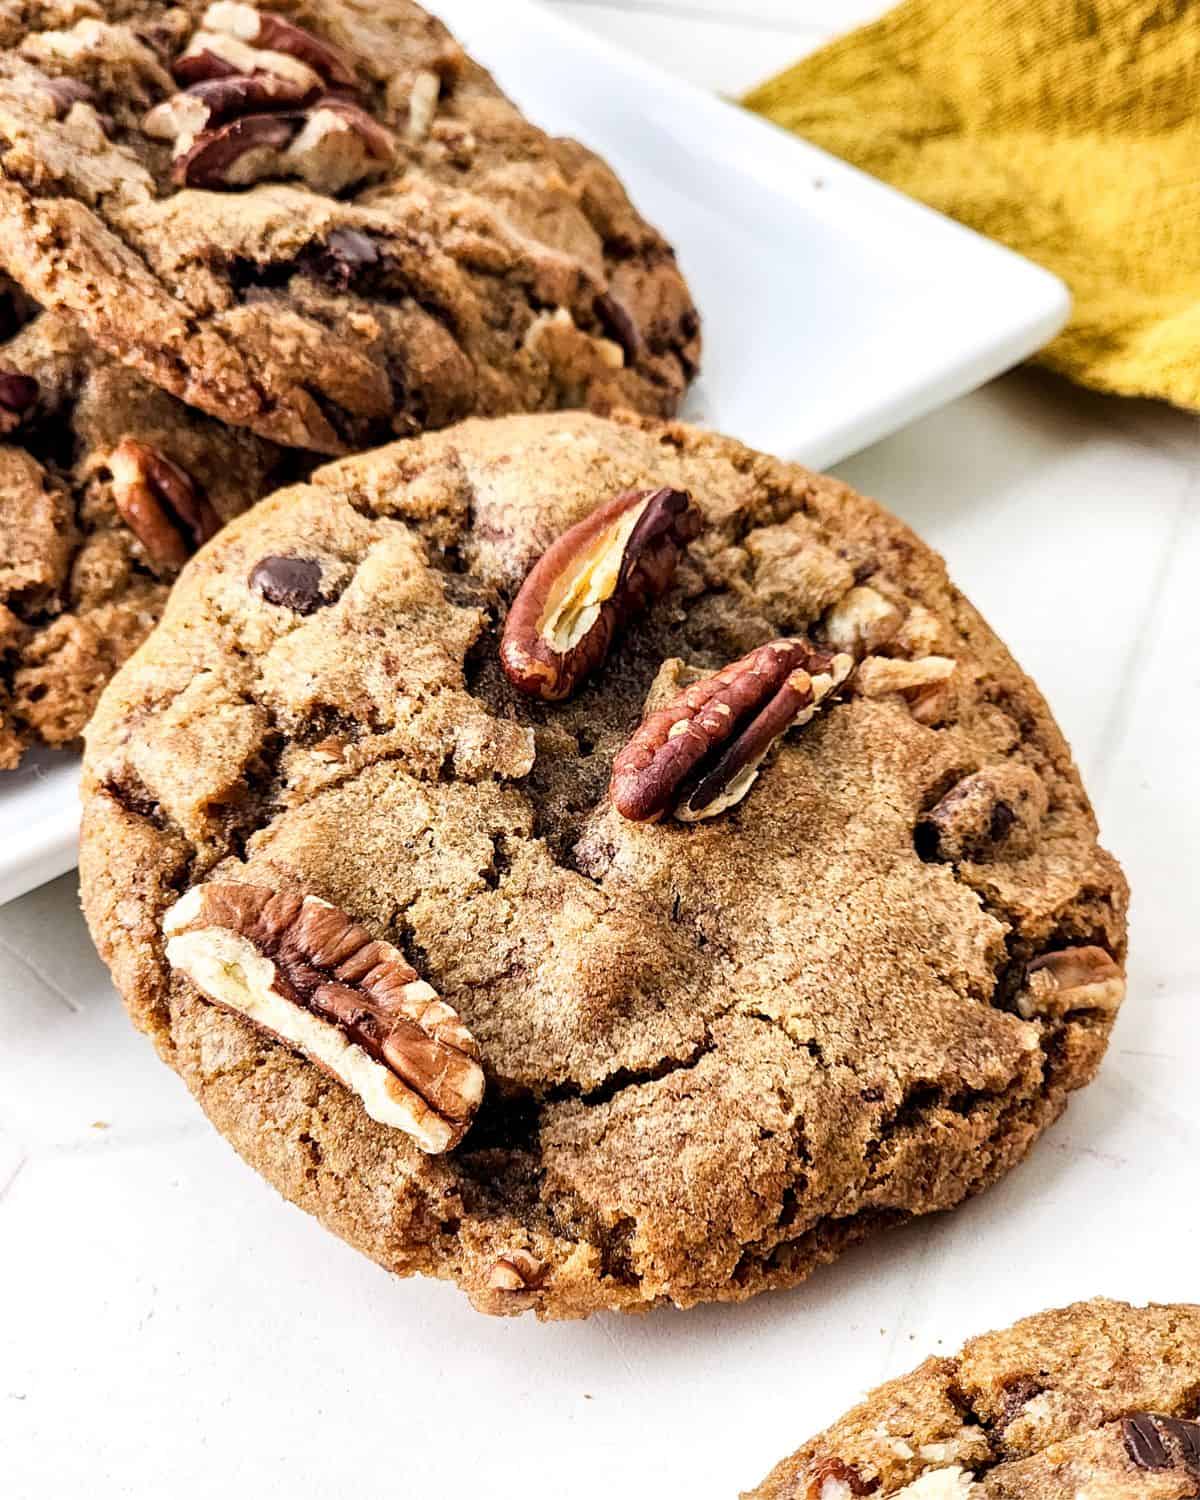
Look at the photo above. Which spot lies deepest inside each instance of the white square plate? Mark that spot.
(835, 310)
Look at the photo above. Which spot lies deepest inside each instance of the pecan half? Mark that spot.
(589, 584)
(271, 33)
(305, 972)
(18, 397)
(186, 115)
(831, 1479)
(1154, 1442)
(160, 503)
(214, 54)
(998, 809)
(517, 1271)
(701, 754)
(237, 154)
(1072, 979)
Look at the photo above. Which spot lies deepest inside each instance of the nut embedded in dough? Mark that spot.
(517, 1271)
(305, 972)
(589, 584)
(160, 503)
(1073, 979)
(701, 753)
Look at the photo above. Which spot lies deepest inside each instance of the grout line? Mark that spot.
(69, 1001)
(683, 12)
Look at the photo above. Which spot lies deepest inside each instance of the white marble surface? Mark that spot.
(169, 1327)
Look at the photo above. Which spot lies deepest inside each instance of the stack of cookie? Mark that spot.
(237, 240)
(565, 851)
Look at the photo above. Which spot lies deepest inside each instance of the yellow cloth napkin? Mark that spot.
(1068, 129)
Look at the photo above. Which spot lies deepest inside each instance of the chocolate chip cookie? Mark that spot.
(1098, 1400)
(107, 485)
(598, 863)
(322, 221)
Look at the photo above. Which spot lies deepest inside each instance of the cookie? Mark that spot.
(322, 221)
(107, 485)
(1096, 1400)
(832, 953)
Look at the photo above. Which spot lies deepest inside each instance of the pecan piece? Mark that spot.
(1085, 978)
(589, 584)
(67, 93)
(18, 397)
(422, 105)
(924, 684)
(236, 154)
(997, 809)
(831, 1479)
(701, 754)
(618, 323)
(305, 972)
(1154, 1442)
(214, 54)
(160, 503)
(186, 115)
(862, 620)
(517, 1271)
(271, 33)
(339, 145)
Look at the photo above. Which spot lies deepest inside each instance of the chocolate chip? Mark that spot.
(1143, 1444)
(345, 255)
(1018, 1390)
(1187, 1436)
(290, 582)
(617, 322)
(1002, 820)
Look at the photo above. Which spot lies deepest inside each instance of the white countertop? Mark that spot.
(168, 1327)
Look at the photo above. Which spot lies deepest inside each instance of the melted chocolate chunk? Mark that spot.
(1154, 1442)
(290, 582)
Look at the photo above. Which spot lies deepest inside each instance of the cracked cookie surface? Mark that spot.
(1099, 1399)
(716, 1053)
(322, 221)
(79, 587)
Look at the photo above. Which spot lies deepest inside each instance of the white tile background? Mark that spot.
(169, 1328)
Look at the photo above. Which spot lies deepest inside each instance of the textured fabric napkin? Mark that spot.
(1068, 129)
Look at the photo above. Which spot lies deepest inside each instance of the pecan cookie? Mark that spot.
(671, 787)
(322, 221)
(1097, 1400)
(107, 485)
